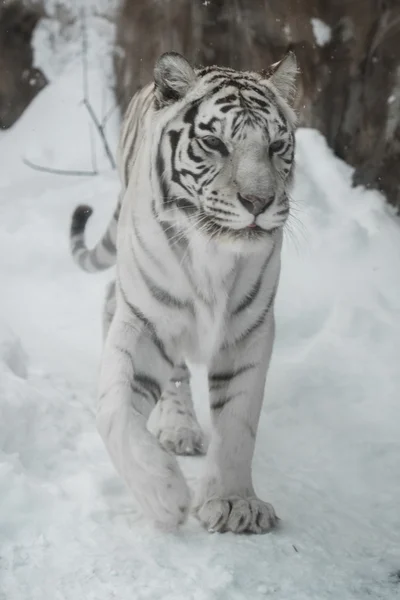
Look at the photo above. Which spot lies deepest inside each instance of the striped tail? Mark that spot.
(103, 255)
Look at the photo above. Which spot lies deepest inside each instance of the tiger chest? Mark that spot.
(206, 327)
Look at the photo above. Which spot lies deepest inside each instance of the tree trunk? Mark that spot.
(19, 80)
(348, 51)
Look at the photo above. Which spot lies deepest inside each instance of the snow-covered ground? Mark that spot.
(328, 451)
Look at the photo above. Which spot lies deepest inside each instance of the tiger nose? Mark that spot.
(256, 205)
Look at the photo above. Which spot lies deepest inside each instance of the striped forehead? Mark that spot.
(235, 105)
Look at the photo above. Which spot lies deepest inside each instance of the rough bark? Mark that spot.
(20, 81)
(349, 87)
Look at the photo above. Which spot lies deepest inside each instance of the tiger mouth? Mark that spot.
(253, 232)
(254, 227)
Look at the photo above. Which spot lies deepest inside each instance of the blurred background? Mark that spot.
(348, 51)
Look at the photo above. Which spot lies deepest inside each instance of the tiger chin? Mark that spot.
(206, 160)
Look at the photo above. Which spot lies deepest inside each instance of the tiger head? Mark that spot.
(224, 153)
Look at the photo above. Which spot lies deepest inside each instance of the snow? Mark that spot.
(322, 32)
(328, 444)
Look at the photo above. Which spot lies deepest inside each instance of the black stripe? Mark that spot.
(253, 293)
(150, 327)
(131, 151)
(137, 390)
(143, 246)
(127, 353)
(174, 137)
(284, 211)
(226, 99)
(206, 70)
(261, 103)
(110, 291)
(77, 246)
(186, 206)
(91, 256)
(118, 209)
(191, 113)
(220, 76)
(250, 430)
(224, 377)
(79, 219)
(193, 156)
(150, 384)
(227, 108)
(160, 171)
(108, 243)
(223, 401)
(250, 297)
(162, 295)
(216, 209)
(174, 237)
(209, 125)
(258, 322)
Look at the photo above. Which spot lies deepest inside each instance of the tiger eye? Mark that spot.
(276, 146)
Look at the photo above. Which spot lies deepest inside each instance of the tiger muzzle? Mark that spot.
(256, 205)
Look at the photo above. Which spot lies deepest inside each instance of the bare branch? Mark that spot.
(108, 114)
(99, 125)
(93, 149)
(45, 169)
(84, 55)
(100, 129)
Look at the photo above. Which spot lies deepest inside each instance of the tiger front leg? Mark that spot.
(136, 365)
(174, 420)
(226, 500)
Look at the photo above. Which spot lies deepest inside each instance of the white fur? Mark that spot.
(208, 327)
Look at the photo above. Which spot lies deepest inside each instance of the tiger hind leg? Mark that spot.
(174, 421)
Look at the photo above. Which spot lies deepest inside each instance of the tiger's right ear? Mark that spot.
(173, 77)
(282, 75)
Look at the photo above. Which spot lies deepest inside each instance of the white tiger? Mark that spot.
(206, 162)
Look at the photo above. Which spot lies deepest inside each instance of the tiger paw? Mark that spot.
(236, 514)
(184, 440)
(176, 427)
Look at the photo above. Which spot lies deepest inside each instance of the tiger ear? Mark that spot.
(282, 75)
(173, 77)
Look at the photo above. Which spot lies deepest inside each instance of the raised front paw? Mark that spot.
(186, 440)
(239, 515)
(176, 428)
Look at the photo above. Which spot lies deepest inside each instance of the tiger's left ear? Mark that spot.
(282, 75)
(173, 77)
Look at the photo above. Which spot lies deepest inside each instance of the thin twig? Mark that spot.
(44, 169)
(93, 149)
(85, 82)
(108, 114)
(100, 129)
(103, 104)
(99, 125)
(84, 55)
